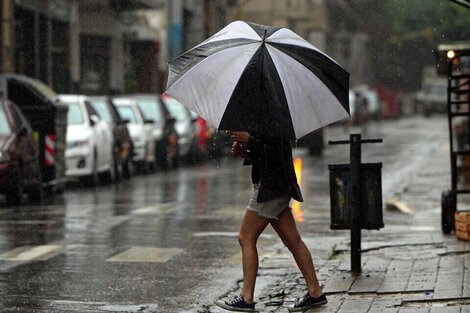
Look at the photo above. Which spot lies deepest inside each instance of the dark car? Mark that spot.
(185, 126)
(163, 132)
(47, 116)
(19, 156)
(123, 146)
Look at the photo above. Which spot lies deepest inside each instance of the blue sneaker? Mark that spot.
(237, 304)
(307, 302)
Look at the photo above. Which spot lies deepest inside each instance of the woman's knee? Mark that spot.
(246, 240)
(292, 242)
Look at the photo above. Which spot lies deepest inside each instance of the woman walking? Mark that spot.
(275, 183)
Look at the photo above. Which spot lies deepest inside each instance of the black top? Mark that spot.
(273, 168)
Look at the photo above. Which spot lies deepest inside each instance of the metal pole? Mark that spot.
(355, 202)
(37, 47)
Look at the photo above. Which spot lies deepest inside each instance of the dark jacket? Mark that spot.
(273, 168)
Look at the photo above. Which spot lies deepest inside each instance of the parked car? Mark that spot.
(185, 127)
(122, 142)
(163, 131)
(210, 143)
(89, 150)
(139, 130)
(19, 156)
(47, 117)
(432, 98)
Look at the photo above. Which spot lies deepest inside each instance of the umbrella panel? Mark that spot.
(258, 104)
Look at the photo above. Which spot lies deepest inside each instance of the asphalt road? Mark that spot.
(167, 242)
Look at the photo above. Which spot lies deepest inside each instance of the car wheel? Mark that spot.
(110, 175)
(161, 156)
(95, 177)
(15, 194)
(118, 168)
(36, 194)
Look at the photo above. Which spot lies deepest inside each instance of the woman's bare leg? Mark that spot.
(250, 230)
(287, 231)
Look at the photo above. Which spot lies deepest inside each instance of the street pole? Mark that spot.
(355, 202)
(37, 48)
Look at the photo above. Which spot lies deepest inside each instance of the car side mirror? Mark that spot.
(148, 121)
(94, 120)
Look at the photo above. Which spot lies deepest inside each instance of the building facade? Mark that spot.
(83, 46)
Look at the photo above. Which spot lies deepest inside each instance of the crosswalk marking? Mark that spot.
(163, 208)
(29, 253)
(146, 254)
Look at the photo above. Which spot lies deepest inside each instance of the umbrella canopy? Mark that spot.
(261, 79)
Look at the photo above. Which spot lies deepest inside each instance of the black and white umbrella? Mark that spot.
(261, 79)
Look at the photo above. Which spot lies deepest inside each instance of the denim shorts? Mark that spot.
(268, 209)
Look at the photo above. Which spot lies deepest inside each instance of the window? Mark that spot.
(150, 109)
(75, 114)
(177, 110)
(101, 108)
(4, 124)
(127, 113)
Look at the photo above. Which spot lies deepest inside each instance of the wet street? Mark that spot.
(167, 241)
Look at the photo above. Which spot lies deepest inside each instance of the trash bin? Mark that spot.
(48, 119)
(370, 197)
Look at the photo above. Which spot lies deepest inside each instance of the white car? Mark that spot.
(140, 130)
(89, 141)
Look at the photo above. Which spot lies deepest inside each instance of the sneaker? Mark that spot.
(236, 304)
(307, 302)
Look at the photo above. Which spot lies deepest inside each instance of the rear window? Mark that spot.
(127, 113)
(4, 124)
(75, 114)
(177, 109)
(150, 109)
(101, 108)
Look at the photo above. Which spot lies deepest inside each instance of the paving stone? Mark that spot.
(396, 277)
(340, 282)
(367, 283)
(355, 306)
(454, 309)
(387, 301)
(449, 283)
(382, 310)
(465, 309)
(376, 264)
(421, 282)
(466, 284)
(413, 310)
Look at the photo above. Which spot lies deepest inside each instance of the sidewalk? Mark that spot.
(409, 266)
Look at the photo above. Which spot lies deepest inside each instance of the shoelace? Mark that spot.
(237, 299)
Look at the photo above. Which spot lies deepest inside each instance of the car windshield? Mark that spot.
(177, 110)
(4, 125)
(149, 109)
(442, 89)
(101, 108)
(127, 113)
(75, 114)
